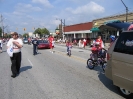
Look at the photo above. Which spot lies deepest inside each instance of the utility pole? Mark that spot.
(126, 10)
(2, 27)
(62, 33)
(64, 30)
(61, 29)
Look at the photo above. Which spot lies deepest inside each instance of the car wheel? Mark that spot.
(125, 93)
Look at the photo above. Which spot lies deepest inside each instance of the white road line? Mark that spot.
(30, 62)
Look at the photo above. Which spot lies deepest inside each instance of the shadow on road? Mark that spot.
(106, 82)
(25, 68)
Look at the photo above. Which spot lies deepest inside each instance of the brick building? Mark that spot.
(81, 30)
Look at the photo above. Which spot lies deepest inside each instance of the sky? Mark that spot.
(29, 14)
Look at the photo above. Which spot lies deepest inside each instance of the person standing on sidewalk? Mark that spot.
(84, 43)
(17, 44)
(51, 42)
(1, 44)
(35, 44)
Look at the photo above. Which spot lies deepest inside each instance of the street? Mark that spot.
(54, 76)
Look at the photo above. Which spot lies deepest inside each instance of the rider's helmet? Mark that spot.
(112, 38)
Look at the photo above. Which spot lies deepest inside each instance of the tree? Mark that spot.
(45, 31)
(42, 31)
(37, 31)
(25, 35)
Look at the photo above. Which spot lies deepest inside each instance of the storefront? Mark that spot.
(78, 31)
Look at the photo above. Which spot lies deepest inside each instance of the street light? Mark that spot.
(61, 27)
(126, 9)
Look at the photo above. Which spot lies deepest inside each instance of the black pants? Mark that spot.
(16, 63)
(34, 49)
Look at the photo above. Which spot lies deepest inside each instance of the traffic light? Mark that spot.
(24, 29)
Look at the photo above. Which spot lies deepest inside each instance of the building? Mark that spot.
(96, 27)
(81, 30)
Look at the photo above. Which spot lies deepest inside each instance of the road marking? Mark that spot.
(30, 62)
(72, 56)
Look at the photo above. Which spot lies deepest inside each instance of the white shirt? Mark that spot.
(1, 43)
(15, 48)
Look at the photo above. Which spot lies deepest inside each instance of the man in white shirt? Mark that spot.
(1, 44)
(16, 59)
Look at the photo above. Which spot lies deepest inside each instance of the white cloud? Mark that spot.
(44, 2)
(25, 8)
(90, 8)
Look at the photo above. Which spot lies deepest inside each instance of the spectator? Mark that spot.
(16, 59)
(84, 43)
(1, 44)
(80, 43)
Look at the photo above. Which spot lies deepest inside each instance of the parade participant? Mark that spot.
(68, 45)
(17, 44)
(100, 44)
(1, 44)
(99, 40)
(35, 44)
(51, 42)
(112, 39)
(29, 40)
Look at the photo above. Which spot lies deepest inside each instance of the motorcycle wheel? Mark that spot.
(104, 66)
(90, 64)
(69, 53)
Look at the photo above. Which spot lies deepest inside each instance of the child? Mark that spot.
(68, 45)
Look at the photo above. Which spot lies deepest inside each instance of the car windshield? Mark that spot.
(43, 41)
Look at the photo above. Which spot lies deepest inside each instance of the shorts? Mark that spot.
(51, 46)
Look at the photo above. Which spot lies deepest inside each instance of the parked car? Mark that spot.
(25, 41)
(43, 44)
(120, 63)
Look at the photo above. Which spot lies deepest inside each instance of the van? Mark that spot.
(120, 63)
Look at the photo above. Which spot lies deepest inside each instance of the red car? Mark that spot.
(43, 44)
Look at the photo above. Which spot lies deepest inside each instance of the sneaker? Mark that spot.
(52, 52)
(13, 76)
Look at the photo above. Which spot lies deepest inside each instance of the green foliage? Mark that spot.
(42, 31)
(25, 35)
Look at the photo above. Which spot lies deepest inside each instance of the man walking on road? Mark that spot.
(35, 43)
(16, 58)
(51, 42)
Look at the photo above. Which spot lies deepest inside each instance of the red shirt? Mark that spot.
(68, 44)
(51, 39)
(100, 42)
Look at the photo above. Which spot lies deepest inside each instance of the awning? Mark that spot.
(104, 27)
(95, 29)
(121, 26)
(112, 21)
(78, 32)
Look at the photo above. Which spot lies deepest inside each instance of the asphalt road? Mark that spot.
(54, 76)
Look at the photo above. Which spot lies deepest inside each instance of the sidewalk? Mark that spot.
(76, 46)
